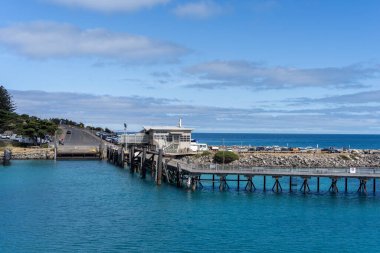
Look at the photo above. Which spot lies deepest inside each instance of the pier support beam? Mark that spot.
(333, 187)
(265, 183)
(194, 182)
(223, 183)
(199, 183)
(178, 176)
(305, 185)
(277, 186)
(143, 164)
(290, 184)
(250, 185)
(132, 159)
(374, 185)
(213, 181)
(346, 185)
(363, 185)
(159, 166)
(130, 156)
(317, 184)
(238, 182)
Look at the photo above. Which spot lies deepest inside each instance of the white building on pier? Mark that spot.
(172, 139)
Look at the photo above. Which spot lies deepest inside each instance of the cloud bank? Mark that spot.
(216, 74)
(365, 97)
(52, 40)
(111, 5)
(113, 111)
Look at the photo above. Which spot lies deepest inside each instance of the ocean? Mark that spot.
(93, 206)
(355, 141)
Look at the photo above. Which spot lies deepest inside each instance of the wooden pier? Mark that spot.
(169, 169)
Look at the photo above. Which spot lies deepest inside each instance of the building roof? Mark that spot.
(167, 128)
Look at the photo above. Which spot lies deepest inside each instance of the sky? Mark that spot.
(254, 66)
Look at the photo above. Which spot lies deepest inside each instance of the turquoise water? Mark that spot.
(91, 206)
(359, 141)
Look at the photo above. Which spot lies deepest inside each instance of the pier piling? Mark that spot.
(333, 187)
(363, 185)
(317, 184)
(250, 185)
(264, 184)
(178, 175)
(277, 186)
(374, 185)
(223, 183)
(305, 185)
(159, 166)
(346, 185)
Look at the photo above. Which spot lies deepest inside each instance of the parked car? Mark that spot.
(330, 150)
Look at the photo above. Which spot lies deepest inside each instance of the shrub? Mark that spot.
(226, 156)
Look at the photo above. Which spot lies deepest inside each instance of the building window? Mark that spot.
(185, 138)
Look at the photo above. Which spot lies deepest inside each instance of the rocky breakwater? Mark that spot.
(31, 154)
(298, 160)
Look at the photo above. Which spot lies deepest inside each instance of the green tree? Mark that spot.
(6, 103)
(9, 121)
(225, 157)
(36, 128)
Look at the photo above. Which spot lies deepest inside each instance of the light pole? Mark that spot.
(223, 152)
(125, 135)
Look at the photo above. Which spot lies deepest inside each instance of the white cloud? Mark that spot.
(200, 10)
(111, 5)
(48, 40)
(216, 74)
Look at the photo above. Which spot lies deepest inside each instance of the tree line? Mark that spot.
(25, 125)
(31, 126)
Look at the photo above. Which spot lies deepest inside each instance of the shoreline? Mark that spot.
(29, 153)
(246, 159)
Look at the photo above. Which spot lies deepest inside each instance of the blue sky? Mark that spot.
(224, 66)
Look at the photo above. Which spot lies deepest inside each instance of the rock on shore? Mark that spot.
(298, 160)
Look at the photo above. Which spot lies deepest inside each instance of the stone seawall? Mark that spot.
(299, 160)
(31, 154)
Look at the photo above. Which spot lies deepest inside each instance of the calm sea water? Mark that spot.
(91, 206)
(291, 140)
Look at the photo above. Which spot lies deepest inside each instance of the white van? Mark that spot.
(202, 147)
(195, 147)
